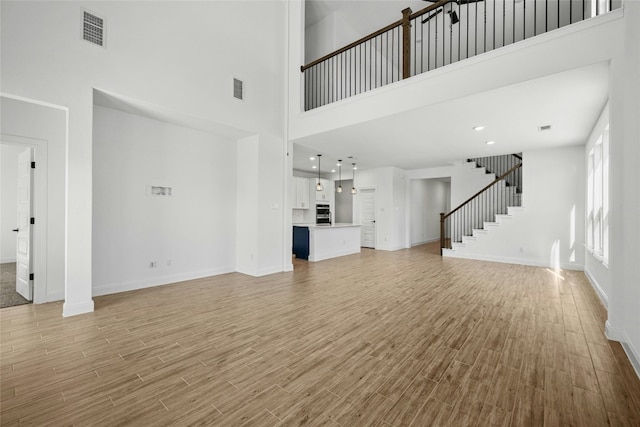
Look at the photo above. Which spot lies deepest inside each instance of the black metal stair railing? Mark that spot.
(500, 164)
(443, 33)
(492, 200)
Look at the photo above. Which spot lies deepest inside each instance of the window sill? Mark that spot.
(600, 258)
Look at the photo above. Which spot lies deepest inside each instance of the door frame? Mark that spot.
(39, 208)
(357, 208)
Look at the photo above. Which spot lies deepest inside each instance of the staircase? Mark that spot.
(486, 209)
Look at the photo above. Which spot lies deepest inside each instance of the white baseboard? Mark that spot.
(596, 286)
(633, 355)
(507, 260)
(269, 270)
(133, 285)
(8, 259)
(615, 334)
(424, 242)
(77, 308)
(612, 333)
(390, 248)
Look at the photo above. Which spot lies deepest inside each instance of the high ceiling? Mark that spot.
(437, 134)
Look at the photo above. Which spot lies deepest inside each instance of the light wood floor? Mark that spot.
(375, 339)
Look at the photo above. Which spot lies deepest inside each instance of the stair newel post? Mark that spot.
(406, 43)
(441, 232)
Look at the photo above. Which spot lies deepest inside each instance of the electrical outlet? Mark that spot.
(153, 264)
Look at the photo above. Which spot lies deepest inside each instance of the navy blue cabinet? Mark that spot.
(301, 242)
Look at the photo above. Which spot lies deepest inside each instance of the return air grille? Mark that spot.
(92, 29)
(237, 88)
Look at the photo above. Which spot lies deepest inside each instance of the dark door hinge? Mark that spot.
(33, 220)
(33, 165)
(31, 276)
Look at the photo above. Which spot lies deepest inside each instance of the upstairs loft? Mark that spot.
(441, 34)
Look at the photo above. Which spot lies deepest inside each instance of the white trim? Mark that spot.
(390, 248)
(424, 242)
(596, 286)
(7, 260)
(505, 260)
(633, 355)
(615, 334)
(76, 309)
(114, 288)
(268, 270)
(34, 101)
(612, 333)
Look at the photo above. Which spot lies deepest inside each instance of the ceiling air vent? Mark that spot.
(237, 89)
(544, 128)
(92, 28)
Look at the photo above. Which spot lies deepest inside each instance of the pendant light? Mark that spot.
(319, 186)
(353, 189)
(339, 189)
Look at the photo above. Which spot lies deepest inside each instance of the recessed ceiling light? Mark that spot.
(314, 167)
(355, 167)
(333, 171)
(338, 164)
(490, 142)
(479, 127)
(312, 158)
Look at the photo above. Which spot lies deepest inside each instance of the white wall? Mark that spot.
(467, 180)
(189, 234)
(594, 268)
(344, 202)
(184, 59)
(624, 238)
(428, 198)
(9, 202)
(549, 229)
(40, 126)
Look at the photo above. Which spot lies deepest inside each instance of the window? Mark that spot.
(598, 198)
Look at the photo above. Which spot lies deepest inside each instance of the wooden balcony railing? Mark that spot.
(445, 32)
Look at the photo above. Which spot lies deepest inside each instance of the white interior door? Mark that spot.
(368, 218)
(23, 247)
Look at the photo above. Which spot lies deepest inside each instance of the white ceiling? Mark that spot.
(570, 101)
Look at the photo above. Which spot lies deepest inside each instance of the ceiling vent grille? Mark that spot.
(544, 128)
(92, 28)
(237, 89)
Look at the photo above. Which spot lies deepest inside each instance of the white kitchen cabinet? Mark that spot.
(327, 190)
(301, 199)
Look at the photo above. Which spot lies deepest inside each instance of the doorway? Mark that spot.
(368, 218)
(16, 286)
(428, 197)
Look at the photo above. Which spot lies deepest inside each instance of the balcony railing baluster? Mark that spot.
(391, 53)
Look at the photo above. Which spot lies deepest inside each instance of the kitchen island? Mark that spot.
(320, 242)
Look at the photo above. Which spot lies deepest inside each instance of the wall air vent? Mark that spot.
(237, 89)
(544, 128)
(92, 28)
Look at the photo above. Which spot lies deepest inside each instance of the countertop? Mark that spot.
(318, 227)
